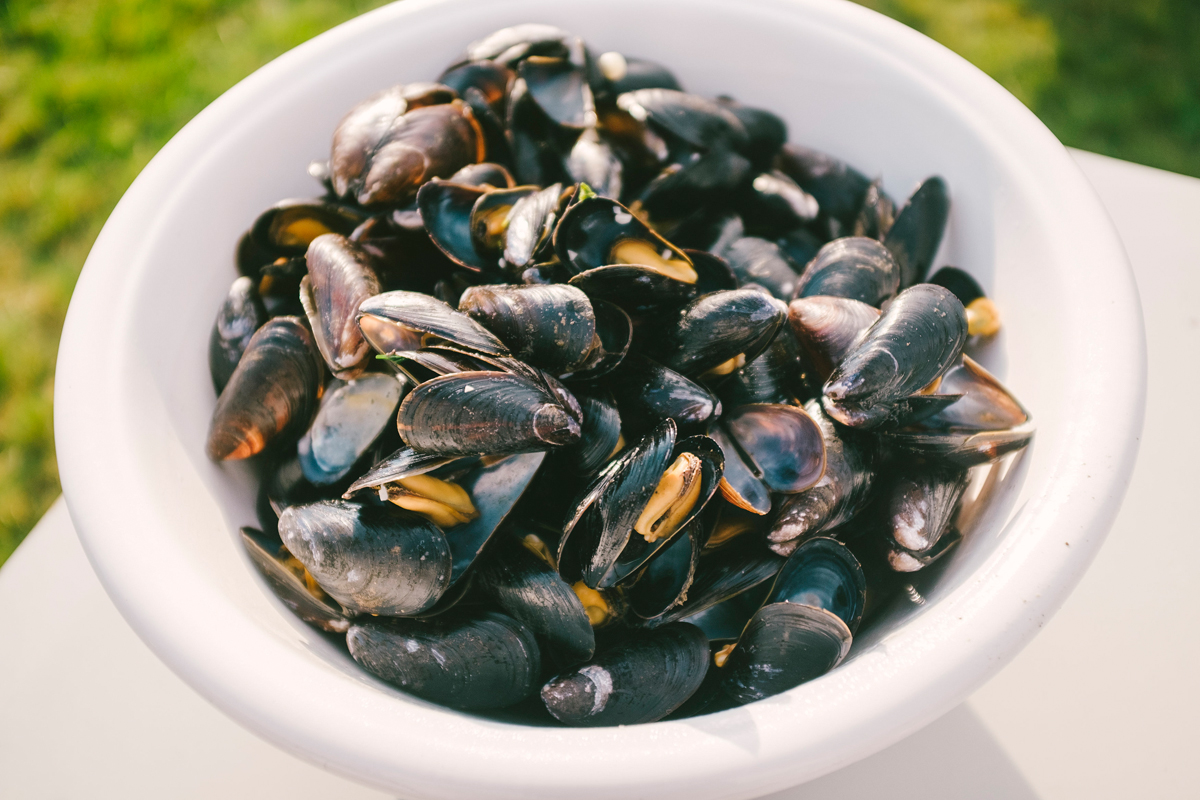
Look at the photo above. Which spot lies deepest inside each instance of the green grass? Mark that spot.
(90, 90)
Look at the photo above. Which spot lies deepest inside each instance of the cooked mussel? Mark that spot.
(551, 327)
(983, 318)
(665, 582)
(839, 189)
(274, 389)
(396, 321)
(922, 502)
(598, 232)
(641, 679)
(292, 583)
(470, 660)
(350, 418)
(372, 559)
(917, 339)
(716, 333)
(781, 444)
(647, 393)
(637, 504)
(828, 327)
(762, 262)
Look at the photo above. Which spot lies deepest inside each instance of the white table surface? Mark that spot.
(1103, 704)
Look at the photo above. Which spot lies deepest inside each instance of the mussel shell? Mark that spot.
(490, 217)
(527, 588)
(446, 213)
(495, 489)
(664, 583)
(901, 559)
(799, 246)
(828, 327)
(767, 133)
(967, 448)
(842, 492)
(560, 88)
(485, 174)
(350, 418)
(693, 120)
(285, 585)
(683, 187)
(759, 261)
(783, 646)
(823, 573)
(922, 501)
(855, 267)
(466, 660)
(489, 78)
(714, 328)
(628, 74)
(772, 204)
(713, 273)
(647, 393)
(965, 288)
(510, 45)
(877, 214)
(371, 559)
(614, 335)
(724, 622)
(530, 225)
(551, 327)
(400, 320)
(341, 275)
(274, 389)
(739, 483)
(838, 188)
(984, 404)
(593, 161)
(473, 413)
(641, 679)
(918, 338)
(289, 226)
(538, 144)
(400, 464)
(780, 374)
(782, 443)
(601, 431)
(592, 232)
(917, 233)
(384, 149)
(240, 316)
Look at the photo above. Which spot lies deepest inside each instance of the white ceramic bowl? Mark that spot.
(159, 522)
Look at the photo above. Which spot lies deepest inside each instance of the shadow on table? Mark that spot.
(951, 759)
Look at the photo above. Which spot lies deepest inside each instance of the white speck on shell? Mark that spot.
(602, 681)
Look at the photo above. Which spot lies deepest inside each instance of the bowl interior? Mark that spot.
(839, 91)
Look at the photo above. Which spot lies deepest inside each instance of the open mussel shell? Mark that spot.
(474, 413)
(823, 573)
(984, 403)
(647, 393)
(528, 225)
(551, 327)
(634, 288)
(403, 463)
(490, 79)
(696, 180)
(782, 443)
(289, 226)
(350, 418)
(240, 316)
(599, 232)
(395, 321)
(314, 607)
(917, 233)
(965, 447)
(918, 338)
(469, 660)
(510, 45)
(983, 318)
(637, 505)
(614, 335)
(855, 267)
(773, 203)
(559, 85)
(838, 188)
(641, 679)
(274, 389)
(628, 74)
(780, 374)
(843, 491)
(446, 213)
(877, 214)
(489, 219)
(593, 161)
(722, 574)
(922, 501)
(494, 488)
(340, 276)
(384, 149)
(828, 327)
(528, 588)
(761, 262)
(664, 583)
(740, 485)
(717, 328)
(371, 559)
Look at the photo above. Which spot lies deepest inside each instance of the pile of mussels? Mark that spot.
(656, 448)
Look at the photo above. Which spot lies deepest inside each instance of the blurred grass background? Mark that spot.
(91, 89)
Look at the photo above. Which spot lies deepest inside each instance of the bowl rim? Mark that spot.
(1009, 598)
